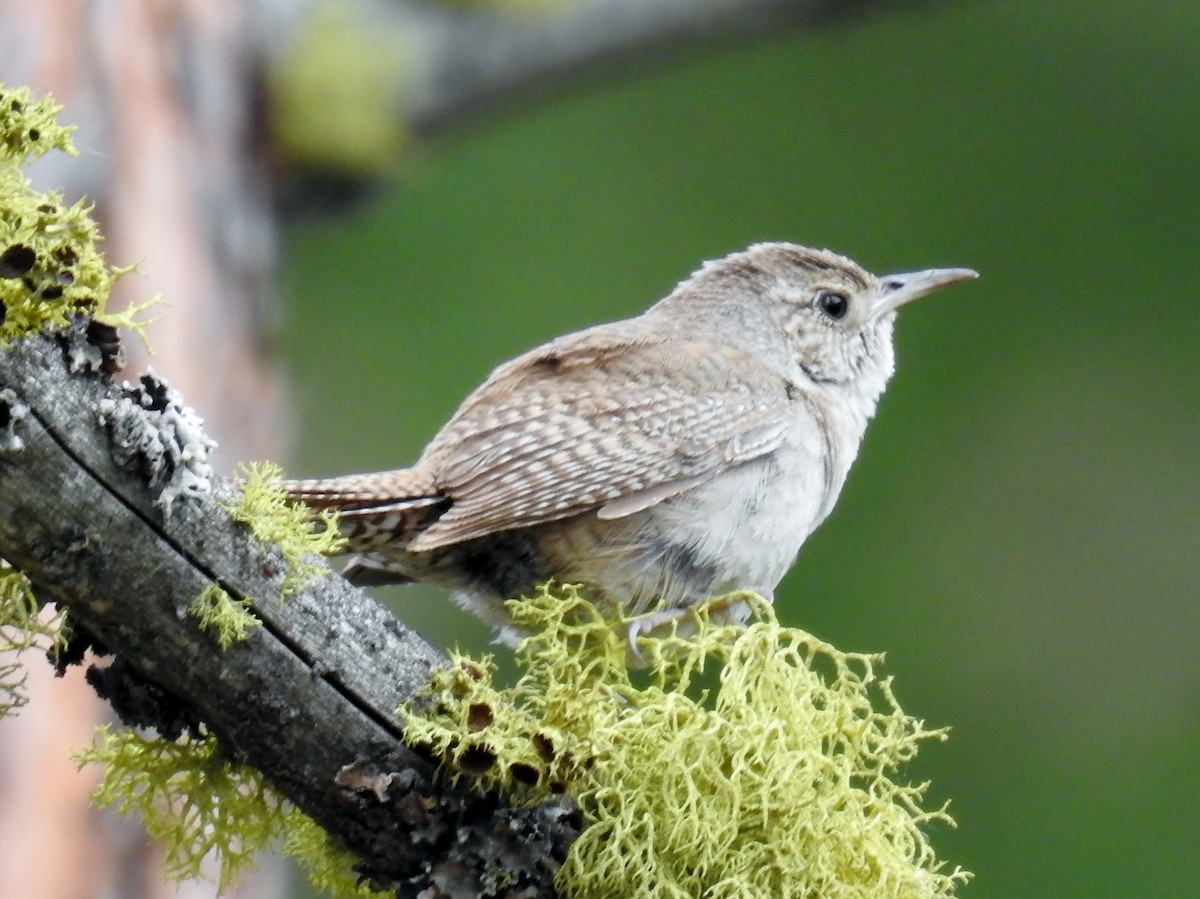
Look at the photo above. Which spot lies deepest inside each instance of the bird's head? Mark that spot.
(834, 317)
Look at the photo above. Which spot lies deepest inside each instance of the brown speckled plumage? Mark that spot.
(678, 454)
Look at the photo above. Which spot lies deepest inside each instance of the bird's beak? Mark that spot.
(896, 290)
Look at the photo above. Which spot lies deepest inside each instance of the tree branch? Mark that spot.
(452, 64)
(104, 506)
(480, 58)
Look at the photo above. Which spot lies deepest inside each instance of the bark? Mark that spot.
(106, 506)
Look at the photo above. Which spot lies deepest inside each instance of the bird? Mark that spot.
(657, 461)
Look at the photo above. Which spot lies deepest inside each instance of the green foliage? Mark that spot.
(334, 93)
(751, 762)
(22, 626)
(219, 614)
(51, 267)
(262, 504)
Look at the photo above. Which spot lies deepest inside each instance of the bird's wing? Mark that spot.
(592, 422)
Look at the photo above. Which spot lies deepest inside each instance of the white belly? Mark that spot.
(740, 530)
(752, 519)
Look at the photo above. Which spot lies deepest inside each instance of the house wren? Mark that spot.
(667, 458)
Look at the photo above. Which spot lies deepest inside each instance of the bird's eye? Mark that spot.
(835, 305)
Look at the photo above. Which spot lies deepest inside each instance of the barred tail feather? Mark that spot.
(375, 510)
(364, 490)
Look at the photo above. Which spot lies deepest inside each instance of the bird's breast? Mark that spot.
(752, 519)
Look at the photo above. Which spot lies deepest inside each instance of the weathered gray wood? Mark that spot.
(106, 506)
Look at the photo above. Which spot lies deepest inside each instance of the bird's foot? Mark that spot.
(647, 624)
(682, 621)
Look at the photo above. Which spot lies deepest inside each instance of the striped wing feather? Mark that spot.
(592, 422)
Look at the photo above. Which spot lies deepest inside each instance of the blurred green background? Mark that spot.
(1020, 531)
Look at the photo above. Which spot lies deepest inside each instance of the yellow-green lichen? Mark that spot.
(328, 867)
(302, 536)
(23, 625)
(200, 803)
(190, 796)
(218, 613)
(755, 761)
(51, 267)
(262, 505)
(29, 128)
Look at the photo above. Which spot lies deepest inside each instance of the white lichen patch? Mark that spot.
(12, 410)
(154, 432)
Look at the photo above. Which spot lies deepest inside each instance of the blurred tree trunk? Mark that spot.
(167, 154)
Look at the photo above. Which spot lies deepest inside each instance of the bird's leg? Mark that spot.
(732, 609)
